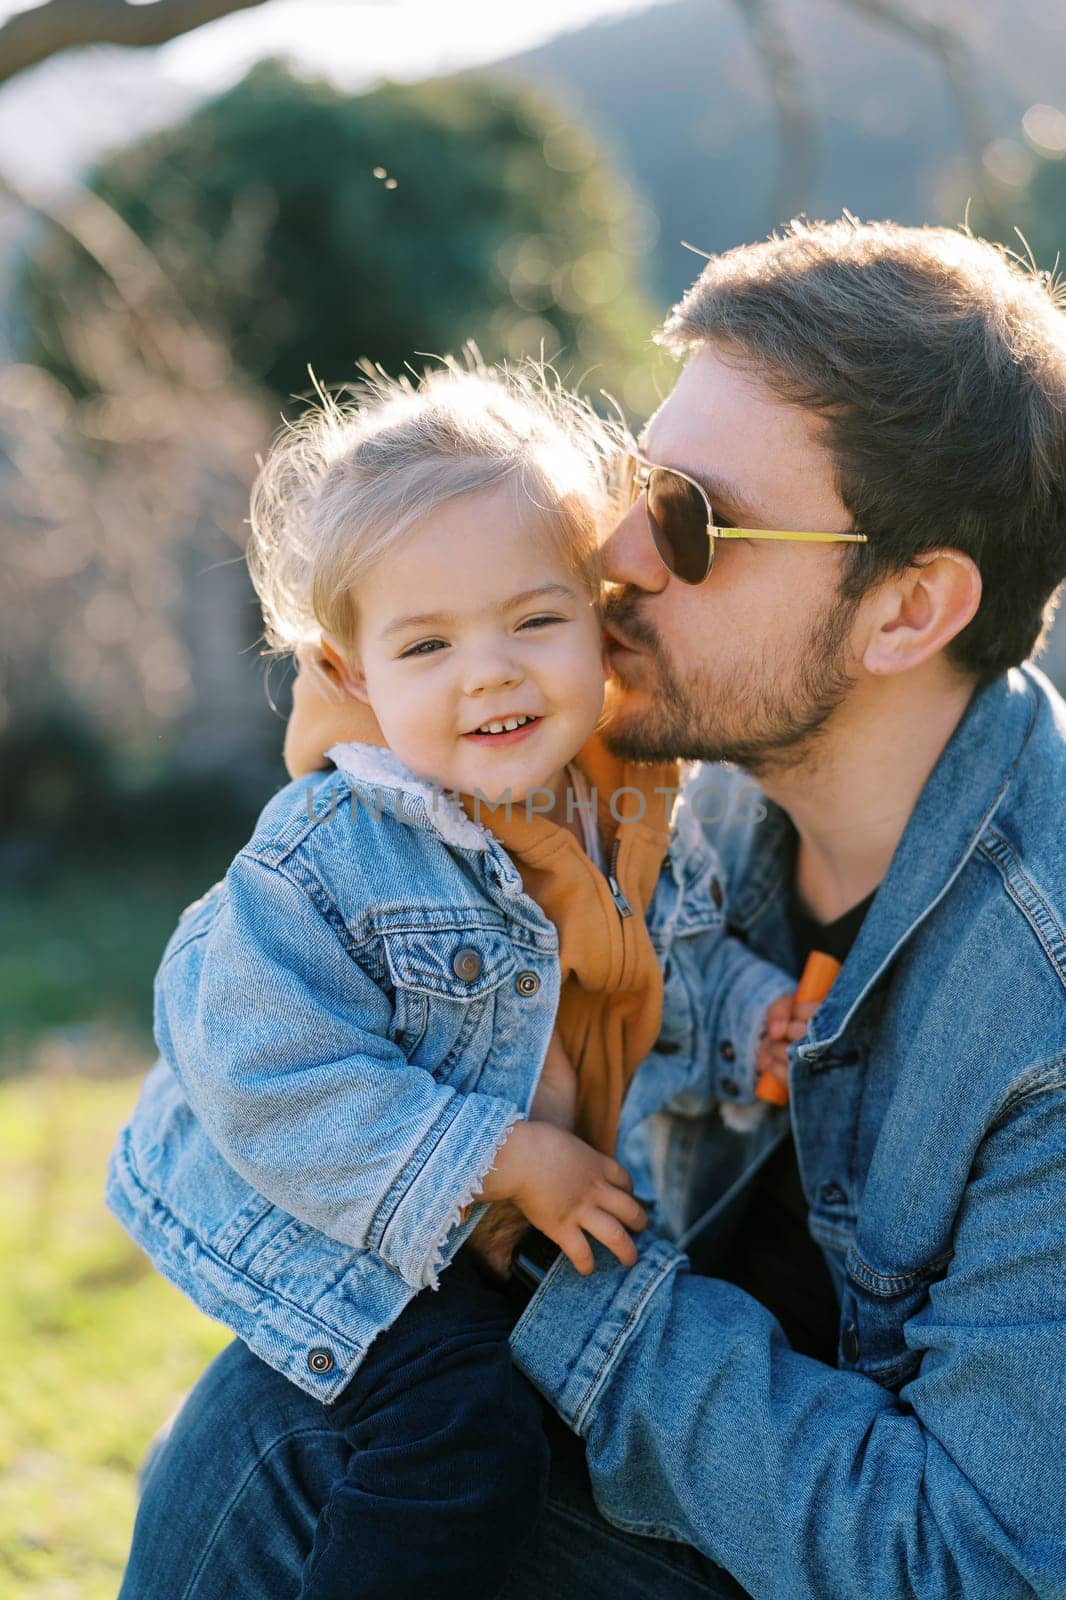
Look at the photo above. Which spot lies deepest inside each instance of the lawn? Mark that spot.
(96, 1350)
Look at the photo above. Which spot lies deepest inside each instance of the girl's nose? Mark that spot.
(493, 673)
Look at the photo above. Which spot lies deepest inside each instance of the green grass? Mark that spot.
(95, 1350)
(82, 947)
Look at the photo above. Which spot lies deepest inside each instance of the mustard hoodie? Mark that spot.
(610, 1005)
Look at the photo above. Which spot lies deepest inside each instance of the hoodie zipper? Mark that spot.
(624, 908)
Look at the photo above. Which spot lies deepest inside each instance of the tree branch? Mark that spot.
(797, 125)
(949, 49)
(32, 36)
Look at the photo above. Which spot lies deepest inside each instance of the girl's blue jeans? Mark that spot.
(428, 1477)
(448, 1463)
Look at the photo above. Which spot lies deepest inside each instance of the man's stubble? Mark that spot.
(765, 716)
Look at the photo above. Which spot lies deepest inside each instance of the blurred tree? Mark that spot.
(124, 608)
(798, 125)
(1040, 208)
(306, 226)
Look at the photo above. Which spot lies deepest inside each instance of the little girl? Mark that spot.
(426, 966)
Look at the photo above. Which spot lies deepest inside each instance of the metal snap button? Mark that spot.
(320, 1361)
(466, 964)
(717, 893)
(832, 1194)
(849, 1344)
(527, 983)
(727, 1050)
(730, 1086)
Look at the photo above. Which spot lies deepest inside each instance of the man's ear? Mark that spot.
(914, 616)
(344, 669)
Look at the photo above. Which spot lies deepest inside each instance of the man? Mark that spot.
(879, 1413)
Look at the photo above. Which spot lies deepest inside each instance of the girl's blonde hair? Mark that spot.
(353, 475)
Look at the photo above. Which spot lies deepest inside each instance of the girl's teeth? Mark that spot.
(505, 727)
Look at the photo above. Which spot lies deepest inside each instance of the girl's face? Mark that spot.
(473, 621)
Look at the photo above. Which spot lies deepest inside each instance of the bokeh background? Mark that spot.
(199, 201)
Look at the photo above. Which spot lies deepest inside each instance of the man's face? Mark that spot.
(750, 665)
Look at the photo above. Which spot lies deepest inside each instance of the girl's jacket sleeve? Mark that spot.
(279, 1039)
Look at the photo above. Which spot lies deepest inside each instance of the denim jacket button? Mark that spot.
(727, 1050)
(832, 1194)
(729, 1086)
(320, 1361)
(849, 1343)
(466, 964)
(717, 894)
(527, 983)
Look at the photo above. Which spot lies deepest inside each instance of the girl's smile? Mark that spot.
(505, 730)
(479, 649)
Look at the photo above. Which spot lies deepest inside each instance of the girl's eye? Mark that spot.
(541, 622)
(424, 647)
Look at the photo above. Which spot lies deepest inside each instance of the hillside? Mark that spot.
(679, 95)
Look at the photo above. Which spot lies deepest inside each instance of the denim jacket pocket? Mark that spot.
(463, 964)
(875, 1307)
(701, 892)
(446, 984)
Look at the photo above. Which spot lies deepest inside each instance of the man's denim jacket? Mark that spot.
(349, 1024)
(928, 1104)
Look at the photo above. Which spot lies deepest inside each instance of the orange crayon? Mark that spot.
(816, 980)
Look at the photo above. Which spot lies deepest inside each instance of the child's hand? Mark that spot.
(786, 1023)
(567, 1189)
(573, 1190)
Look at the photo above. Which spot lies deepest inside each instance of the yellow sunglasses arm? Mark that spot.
(774, 533)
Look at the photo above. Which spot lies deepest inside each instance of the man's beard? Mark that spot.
(762, 724)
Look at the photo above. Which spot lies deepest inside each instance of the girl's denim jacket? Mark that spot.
(350, 1023)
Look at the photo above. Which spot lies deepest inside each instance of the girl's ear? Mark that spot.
(344, 669)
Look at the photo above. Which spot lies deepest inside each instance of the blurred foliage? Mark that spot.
(93, 892)
(1030, 171)
(307, 226)
(95, 1349)
(115, 504)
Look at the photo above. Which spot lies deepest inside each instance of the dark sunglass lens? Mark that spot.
(677, 518)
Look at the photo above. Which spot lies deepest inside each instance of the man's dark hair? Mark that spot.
(938, 361)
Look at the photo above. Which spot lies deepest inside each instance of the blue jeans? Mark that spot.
(442, 1470)
(233, 1502)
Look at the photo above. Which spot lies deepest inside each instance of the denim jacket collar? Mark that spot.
(958, 801)
(377, 771)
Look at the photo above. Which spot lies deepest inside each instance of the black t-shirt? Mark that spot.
(774, 1257)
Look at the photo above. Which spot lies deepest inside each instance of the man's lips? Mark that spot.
(613, 640)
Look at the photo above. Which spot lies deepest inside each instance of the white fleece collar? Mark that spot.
(374, 766)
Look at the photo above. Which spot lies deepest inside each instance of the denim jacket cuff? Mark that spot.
(428, 1223)
(755, 985)
(575, 1328)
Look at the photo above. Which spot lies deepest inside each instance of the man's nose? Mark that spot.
(630, 558)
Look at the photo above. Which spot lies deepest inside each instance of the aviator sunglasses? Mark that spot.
(682, 521)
